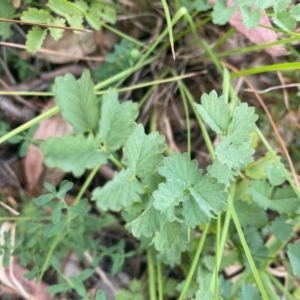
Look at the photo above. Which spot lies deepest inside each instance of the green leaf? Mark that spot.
(234, 156)
(78, 286)
(58, 288)
(49, 187)
(180, 167)
(77, 101)
(201, 5)
(214, 111)
(250, 214)
(243, 124)
(284, 200)
(284, 20)
(57, 212)
(221, 13)
(57, 33)
(249, 292)
(143, 152)
(73, 153)
(294, 256)
(85, 274)
(6, 11)
(210, 195)
(36, 15)
(119, 193)
(281, 229)
(169, 195)
(204, 295)
(263, 4)
(295, 12)
(274, 174)
(280, 5)
(167, 236)
(109, 14)
(251, 17)
(222, 172)
(193, 214)
(100, 295)
(117, 121)
(64, 187)
(35, 38)
(42, 200)
(147, 223)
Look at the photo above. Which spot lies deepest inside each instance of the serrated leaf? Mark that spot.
(36, 15)
(249, 292)
(35, 38)
(57, 33)
(263, 4)
(222, 172)
(204, 295)
(222, 13)
(169, 195)
(193, 214)
(295, 12)
(243, 124)
(143, 152)
(251, 17)
(201, 5)
(6, 9)
(167, 236)
(149, 222)
(109, 14)
(77, 101)
(284, 20)
(234, 156)
(281, 230)
(250, 214)
(214, 111)
(210, 195)
(119, 193)
(294, 256)
(280, 5)
(117, 121)
(73, 153)
(180, 167)
(284, 200)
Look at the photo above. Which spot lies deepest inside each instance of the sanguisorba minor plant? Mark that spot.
(177, 212)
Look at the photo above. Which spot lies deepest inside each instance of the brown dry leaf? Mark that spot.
(34, 161)
(70, 43)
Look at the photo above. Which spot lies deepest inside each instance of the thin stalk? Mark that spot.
(169, 25)
(282, 288)
(246, 249)
(194, 263)
(160, 282)
(151, 276)
(269, 287)
(30, 123)
(217, 254)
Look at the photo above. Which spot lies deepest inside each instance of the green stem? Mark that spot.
(151, 276)
(194, 263)
(160, 281)
(246, 249)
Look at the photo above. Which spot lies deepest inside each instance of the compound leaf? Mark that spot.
(214, 111)
(222, 172)
(57, 33)
(294, 256)
(143, 152)
(73, 153)
(119, 193)
(295, 12)
(167, 236)
(77, 101)
(180, 167)
(243, 124)
(117, 121)
(35, 38)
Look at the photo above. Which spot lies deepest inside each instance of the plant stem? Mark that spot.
(151, 276)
